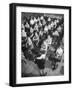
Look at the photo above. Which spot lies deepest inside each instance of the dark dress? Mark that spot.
(40, 63)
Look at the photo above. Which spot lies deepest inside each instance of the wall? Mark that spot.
(4, 45)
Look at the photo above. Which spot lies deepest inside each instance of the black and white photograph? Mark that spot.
(42, 39)
(40, 44)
